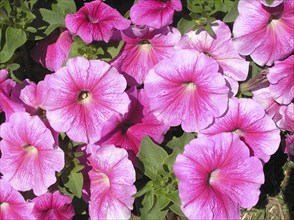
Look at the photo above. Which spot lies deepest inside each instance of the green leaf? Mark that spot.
(255, 69)
(156, 211)
(193, 5)
(73, 178)
(147, 202)
(147, 188)
(185, 25)
(247, 93)
(177, 210)
(14, 39)
(170, 159)
(209, 29)
(180, 142)
(174, 197)
(269, 2)
(114, 49)
(54, 19)
(151, 155)
(64, 7)
(233, 13)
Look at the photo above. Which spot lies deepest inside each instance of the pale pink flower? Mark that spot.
(82, 96)
(220, 48)
(264, 97)
(34, 97)
(95, 21)
(8, 103)
(281, 78)
(187, 89)
(29, 157)
(128, 130)
(154, 13)
(217, 177)
(264, 33)
(53, 206)
(12, 204)
(144, 48)
(112, 184)
(53, 50)
(287, 120)
(248, 119)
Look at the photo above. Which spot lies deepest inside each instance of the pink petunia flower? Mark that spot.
(220, 48)
(8, 104)
(154, 13)
(248, 119)
(95, 21)
(217, 177)
(128, 130)
(187, 89)
(82, 96)
(29, 157)
(53, 50)
(144, 48)
(281, 78)
(263, 96)
(53, 206)
(264, 33)
(112, 184)
(34, 96)
(287, 120)
(12, 204)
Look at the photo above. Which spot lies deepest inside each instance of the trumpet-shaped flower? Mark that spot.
(82, 96)
(12, 204)
(287, 120)
(264, 33)
(95, 21)
(53, 206)
(29, 157)
(53, 50)
(281, 78)
(217, 177)
(220, 48)
(128, 130)
(112, 184)
(248, 119)
(144, 48)
(154, 13)
(187, 89)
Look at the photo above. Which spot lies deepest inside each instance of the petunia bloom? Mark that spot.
(7, 103)
(53, 206)
(53, 50)
(187, 89)
(128, 130)
(154, 13)
(112, 184)
(12, 204)
(287, 120)
(95, 21)
(281, 78)
(82, 96)
(144, 48)
(217, 177)
(220, 48)
(248, 119)
(264, 33)
(29, 157)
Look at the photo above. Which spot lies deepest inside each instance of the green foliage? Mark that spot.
(269, 1)
(233, 13)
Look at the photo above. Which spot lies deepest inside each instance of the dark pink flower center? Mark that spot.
(124, 127)
(207, 54)
(41, 113)
(144, 42)
(83, 95)
(190, 85)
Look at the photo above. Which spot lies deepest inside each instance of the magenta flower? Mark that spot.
(112, 184)
(287, 120)
(187, 89)
(53, 50)
(264, 97)
(82, 96)
(154, 13)
(29, 157)
(8, 104)
(95, 21)
(128, 130)
(34, 96)
(281, 78)
(264, 33)
(248, 119)
(53, 206)
(220, 48)
(12, 204)
(217, 176)
(144, 48)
